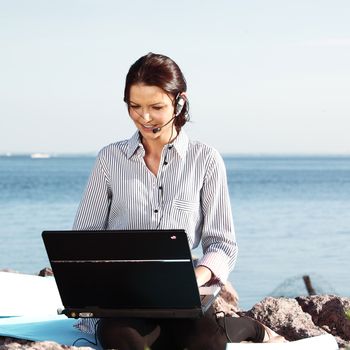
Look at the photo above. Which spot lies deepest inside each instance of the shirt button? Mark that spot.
(156, 211)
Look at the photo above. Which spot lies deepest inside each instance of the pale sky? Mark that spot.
(264, 76)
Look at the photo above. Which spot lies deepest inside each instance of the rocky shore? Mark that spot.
(305, 316)
(293, 318)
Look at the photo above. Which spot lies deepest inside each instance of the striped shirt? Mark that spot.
(189, 192)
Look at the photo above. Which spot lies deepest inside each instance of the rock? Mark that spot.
(8, 340)
(47, 271)
(305, 317)
(227, 301)
(328, 312)
(14, 344)
(284, 316)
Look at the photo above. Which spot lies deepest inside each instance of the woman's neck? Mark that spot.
(153, 152)
(154, 148)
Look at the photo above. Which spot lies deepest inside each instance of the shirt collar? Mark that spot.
(180, 144)
(133, 144)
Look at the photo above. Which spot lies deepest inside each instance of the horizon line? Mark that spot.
(223, 154)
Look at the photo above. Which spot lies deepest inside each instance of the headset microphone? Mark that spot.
(155, 130)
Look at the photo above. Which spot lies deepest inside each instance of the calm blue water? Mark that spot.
(291, 217)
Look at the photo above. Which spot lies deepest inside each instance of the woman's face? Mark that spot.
(150, 108)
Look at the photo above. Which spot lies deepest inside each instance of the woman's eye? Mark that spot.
(157, 108)
(135, 107)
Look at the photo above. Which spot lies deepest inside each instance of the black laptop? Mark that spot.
(128, 273)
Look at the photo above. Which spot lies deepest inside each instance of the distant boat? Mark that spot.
(39, 155)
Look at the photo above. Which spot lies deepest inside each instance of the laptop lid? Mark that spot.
(141, 272)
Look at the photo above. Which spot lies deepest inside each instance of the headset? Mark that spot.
(180, 102)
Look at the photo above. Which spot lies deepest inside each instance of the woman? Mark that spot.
(159, 179)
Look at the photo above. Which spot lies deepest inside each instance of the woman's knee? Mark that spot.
(239, 329)
(123, 335)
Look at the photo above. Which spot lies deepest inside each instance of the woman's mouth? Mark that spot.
(148, 127)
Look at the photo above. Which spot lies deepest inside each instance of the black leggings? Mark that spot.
(206, 333)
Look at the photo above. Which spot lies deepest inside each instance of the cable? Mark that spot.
(89, 341)
(160, 187)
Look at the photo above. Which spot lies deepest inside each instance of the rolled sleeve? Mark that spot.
(218, 236)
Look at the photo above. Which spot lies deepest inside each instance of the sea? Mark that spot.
(291, 214)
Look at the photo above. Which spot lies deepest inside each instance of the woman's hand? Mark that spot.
(203, 275)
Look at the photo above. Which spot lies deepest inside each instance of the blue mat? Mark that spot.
(54, 328)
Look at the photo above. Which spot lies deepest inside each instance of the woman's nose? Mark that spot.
(146, 116)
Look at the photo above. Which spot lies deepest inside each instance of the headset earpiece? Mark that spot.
(179, 105)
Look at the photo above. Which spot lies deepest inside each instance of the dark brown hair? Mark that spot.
(161, 71)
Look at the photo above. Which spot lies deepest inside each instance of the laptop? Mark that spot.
(126, 273)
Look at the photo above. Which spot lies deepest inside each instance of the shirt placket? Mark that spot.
(158, 190)
(156, 209)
